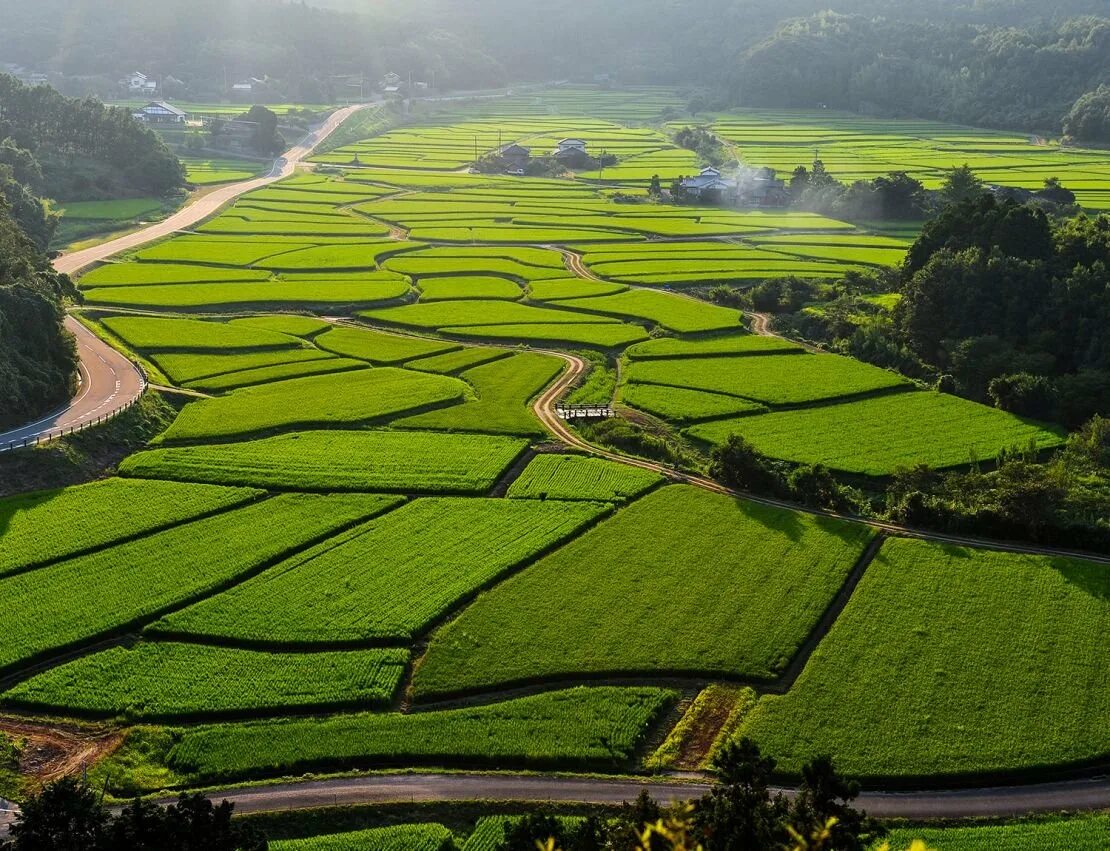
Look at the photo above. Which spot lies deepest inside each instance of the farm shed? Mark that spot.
(160, 112)
(515, 156)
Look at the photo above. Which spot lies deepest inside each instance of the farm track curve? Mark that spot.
(545, 409)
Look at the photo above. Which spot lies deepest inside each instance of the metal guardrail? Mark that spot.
(31, 442)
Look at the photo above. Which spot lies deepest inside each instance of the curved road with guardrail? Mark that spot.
(109, 382)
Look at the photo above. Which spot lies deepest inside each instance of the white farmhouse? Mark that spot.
(138, 83)
(160, 112)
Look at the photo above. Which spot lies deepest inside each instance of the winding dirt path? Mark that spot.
(544, 408)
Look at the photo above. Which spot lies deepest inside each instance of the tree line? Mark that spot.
(38, 357)
(80, 149)
(1045, 77)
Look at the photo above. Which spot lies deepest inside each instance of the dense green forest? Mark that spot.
(38, 359)
(995, 77)
(65, 148)
(1002, 63)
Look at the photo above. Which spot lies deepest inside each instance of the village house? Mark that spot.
(138, 83)
(708, 184)
(515, 157)
(758, 188)
(572, 153)
(390, 82)
(160, 112)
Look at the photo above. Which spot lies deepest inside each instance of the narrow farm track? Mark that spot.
(544, 408)
(109, 381)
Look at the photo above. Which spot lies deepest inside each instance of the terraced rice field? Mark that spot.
(747, 344)
(640, 594)
(581, 477)
(344, 399)
(383, 461)
(1059, 833)
(680, 405)
(503, 389)
(374, 288)
(596, 727)
(390, 578)
(166, 680)
(365, 512)
(1004, 673)
(854, 147)
(377, 347)
(94, 595)
(398, 837)
(48, 526)
(876, 436)
(770, 379)
(208, 172)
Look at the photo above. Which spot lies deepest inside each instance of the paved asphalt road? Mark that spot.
(206, 205)
(108, 379)
(391, 788)
(1002, 801)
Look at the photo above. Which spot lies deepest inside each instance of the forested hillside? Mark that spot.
(63, 148)
(1004, 63)
(38, 360)
(53, 147)
(994, 77)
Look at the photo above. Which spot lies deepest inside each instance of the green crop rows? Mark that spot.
(377, 346)
(876, 436)
(149, 334)
(346, 398)
(581, 727)
(397, 837)
(504, 388)
(402, 462)
(999, 661)
(579, 477)
(1059, 833)
(389, 578)
(88, 596)
(162, 680)
(640, 593)
(771, 379)
(261, 375)
(50, 525)
(678, 404)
